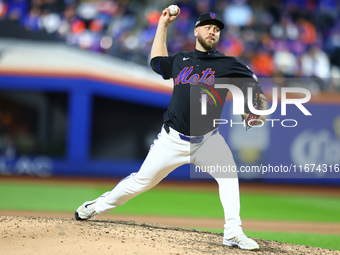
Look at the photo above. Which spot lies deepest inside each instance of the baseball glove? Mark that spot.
(256, 101)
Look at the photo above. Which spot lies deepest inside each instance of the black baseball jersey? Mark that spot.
(195, 73)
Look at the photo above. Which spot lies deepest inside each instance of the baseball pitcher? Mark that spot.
(187, 135)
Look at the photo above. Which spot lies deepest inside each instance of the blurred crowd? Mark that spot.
(280, 39)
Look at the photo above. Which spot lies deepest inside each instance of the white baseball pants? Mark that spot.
(167, 153)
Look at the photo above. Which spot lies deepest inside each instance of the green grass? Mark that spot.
(316, 240)
(289, 207)
(175, 203)
(158, 201)
(44, 197)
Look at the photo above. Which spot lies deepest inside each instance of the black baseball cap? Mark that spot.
(209, 18)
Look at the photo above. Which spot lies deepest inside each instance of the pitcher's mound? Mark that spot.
(41, 235)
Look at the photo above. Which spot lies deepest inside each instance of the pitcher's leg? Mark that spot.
(230, 199)
(215, 155)
(162, 159)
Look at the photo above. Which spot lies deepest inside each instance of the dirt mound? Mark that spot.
(42, 235)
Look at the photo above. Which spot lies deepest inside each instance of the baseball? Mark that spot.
(173, 9)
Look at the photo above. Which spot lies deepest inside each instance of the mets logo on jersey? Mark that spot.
(185, 76)
(207, 80)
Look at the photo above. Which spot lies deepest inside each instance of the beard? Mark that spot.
(207, 44)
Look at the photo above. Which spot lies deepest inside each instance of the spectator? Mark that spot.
(315, 63)
(285, 62)
(262, 63)
(237, 13)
